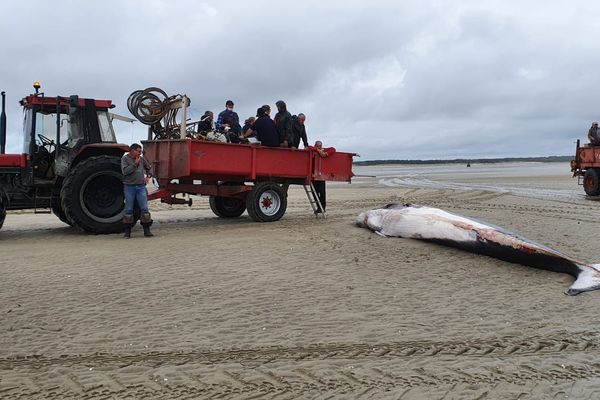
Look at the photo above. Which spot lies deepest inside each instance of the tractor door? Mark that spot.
(40, 140)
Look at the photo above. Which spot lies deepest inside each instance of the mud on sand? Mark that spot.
(299, 308)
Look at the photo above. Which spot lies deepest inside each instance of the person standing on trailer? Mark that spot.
(320, 185)
(283, 124)
(593, 134)
(265, 129)
(298, 131)
(136, 173)
(228, 123)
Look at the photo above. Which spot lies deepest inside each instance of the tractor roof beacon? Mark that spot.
(69, 163)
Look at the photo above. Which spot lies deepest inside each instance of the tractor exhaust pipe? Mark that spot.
(3, 125)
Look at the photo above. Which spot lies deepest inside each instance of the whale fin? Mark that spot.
(588, 279)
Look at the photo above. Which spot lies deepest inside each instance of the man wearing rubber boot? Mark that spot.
(136, 173)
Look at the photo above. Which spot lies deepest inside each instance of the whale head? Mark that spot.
(372, 219)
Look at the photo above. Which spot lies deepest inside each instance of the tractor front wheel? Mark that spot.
(591, 182)
(267, 202)
(92, 195)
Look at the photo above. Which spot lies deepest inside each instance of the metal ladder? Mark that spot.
(314, 201)
(42, 210)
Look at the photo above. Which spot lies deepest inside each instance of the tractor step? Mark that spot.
(41, 204)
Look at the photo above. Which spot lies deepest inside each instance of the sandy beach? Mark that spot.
(305, 307)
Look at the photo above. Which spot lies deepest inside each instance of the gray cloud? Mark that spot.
(384, 79)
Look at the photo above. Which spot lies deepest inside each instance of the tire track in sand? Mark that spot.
(367, 370)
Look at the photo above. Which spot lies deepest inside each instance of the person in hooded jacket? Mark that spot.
(206, 122)
(283, 124)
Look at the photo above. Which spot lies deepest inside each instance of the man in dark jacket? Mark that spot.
(265, 129)
(283, 124)
(299, 131)
(228, 121)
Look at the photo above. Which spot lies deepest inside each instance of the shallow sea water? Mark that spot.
(550, 180)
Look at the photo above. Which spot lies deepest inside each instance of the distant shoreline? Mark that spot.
(469, 160)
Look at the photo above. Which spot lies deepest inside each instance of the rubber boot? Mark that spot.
(146, 227)
(146, 221)
(128, 224)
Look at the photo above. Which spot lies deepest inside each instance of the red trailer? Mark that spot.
(240, 177)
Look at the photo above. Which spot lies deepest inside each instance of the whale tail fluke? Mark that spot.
(587, 280)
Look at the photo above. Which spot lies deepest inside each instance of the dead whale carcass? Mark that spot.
(435, 225)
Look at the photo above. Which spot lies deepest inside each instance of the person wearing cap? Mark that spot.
(593, 134)
(228, 122)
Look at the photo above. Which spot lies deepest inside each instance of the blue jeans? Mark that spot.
(135, 193)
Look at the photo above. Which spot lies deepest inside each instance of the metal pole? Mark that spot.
(3, 125)
(57, 144)
(182, 129)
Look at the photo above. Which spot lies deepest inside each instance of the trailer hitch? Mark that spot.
(176, 200)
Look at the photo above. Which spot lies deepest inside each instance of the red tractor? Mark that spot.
(587, 165)
(70, 163)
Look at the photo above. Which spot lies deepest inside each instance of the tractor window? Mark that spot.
(106, 129)
(45, 127)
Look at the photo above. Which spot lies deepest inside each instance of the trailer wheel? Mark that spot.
(226, 207)
(591, 182)
(92, 195)
(267, 202)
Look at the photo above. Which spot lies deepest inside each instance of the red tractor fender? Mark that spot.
(99, 149)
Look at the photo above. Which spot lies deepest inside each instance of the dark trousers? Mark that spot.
(320, 189)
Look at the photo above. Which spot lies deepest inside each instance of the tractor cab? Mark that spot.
(70, 162)
(55, 129)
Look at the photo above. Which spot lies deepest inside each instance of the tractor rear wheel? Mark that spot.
(92, 195)
(227, 207)
(59, 212)
(591, 182)
(267, 202)
(3, 205)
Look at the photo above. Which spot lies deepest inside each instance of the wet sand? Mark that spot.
(301, 308)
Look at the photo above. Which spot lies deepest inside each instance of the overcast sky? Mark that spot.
(385, 79)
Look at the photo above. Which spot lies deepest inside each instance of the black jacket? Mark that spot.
(283, 123)
(298, 133)
(266, 132)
